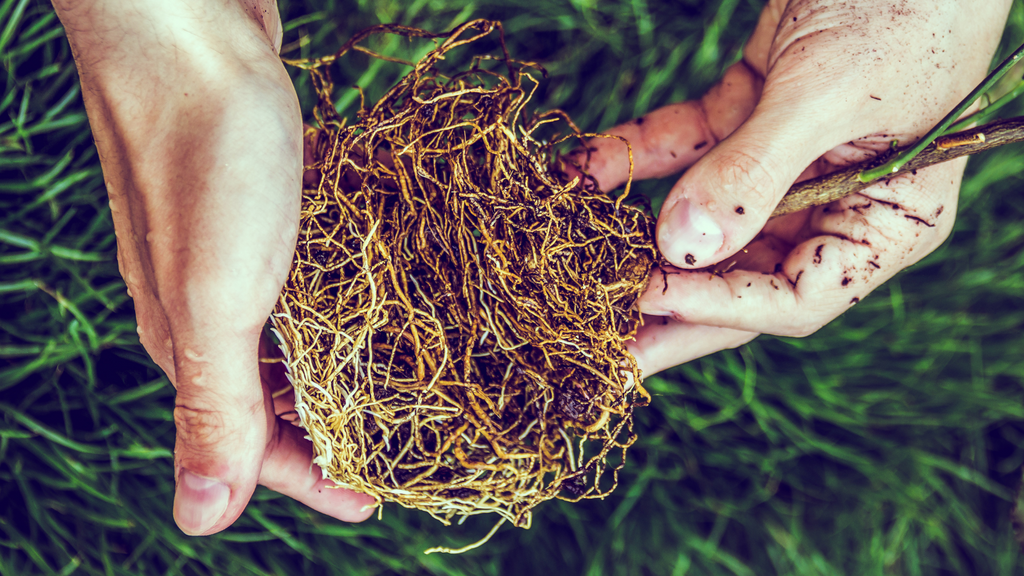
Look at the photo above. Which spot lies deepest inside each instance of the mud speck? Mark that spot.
(919, 220)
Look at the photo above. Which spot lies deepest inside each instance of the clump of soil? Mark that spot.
(456, 316)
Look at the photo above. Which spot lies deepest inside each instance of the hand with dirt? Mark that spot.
(822, 85)
(200, 137)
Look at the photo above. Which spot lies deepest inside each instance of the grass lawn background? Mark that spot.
(891, 442)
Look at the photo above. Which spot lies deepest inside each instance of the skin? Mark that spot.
(199, 133)
(200, 136)
(822, 85)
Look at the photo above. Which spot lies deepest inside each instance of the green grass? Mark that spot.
(891, 442)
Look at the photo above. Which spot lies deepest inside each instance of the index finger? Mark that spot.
(669, 139)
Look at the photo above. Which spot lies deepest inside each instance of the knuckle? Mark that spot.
(748, 180)
(802, 330)
(200, 430)
(737, 343)
(210, 424)
(799, 332)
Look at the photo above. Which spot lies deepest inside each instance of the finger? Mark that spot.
(669, 139)
(662, 343)
(288, 465)
(857, 244)
(217, 302)
(727, 197)
(274, 374)
(310, 141)
(222, 418)
(761, 255)
(289, 470)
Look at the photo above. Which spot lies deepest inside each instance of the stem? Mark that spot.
(896, 164)
(838, 185)
(985, 114)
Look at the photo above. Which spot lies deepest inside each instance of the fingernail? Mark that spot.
(690, 235)
(199, 502)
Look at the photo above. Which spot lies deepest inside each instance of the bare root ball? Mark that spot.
(456, 317)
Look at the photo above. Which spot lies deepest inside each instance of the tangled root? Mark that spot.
(456, 316)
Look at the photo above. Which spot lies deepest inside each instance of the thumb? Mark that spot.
(222, 417)
(724, 200)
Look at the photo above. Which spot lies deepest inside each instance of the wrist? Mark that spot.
(141, 61)
(138, 35)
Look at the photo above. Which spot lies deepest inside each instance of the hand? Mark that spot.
(200, 137)
(822, 85)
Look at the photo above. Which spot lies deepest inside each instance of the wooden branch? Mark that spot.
(838, 185)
